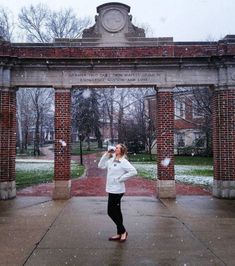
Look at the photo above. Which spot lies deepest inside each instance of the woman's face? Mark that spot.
(118, 150)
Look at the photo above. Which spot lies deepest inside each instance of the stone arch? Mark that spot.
(117, 53)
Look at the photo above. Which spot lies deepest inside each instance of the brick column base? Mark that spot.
(166, 189)
(7, 190)
(224, 189)
(61, 189)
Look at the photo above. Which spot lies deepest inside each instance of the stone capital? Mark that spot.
(62, 89)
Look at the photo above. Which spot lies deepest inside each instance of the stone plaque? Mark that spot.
(114, 78)
(68, 78)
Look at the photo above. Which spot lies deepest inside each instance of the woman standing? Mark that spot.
(118, 170)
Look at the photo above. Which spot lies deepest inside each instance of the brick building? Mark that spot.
(189, 134)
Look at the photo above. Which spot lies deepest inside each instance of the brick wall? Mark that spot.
(224, 134)
(171, 50)
(62, 134)
(165, 134)
(7, 134)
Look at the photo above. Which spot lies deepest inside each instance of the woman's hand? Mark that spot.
(117, 179)
(109, 154)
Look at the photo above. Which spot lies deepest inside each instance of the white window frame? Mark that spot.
(179, 109)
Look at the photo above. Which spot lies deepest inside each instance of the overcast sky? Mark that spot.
(184, 20)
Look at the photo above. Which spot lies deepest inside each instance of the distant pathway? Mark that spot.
(93, 182)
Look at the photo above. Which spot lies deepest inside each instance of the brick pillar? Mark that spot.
(7, 143)
(62, 182)
(224, 143)
(165, 143)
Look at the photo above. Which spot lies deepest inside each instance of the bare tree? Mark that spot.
(6, 24)
(202, 103)
(25, 118)
(43, 25)
(42, 100)
(197, 111)
(122, 101)
(65, 24)
(33, 21)
(22, 120)
(125, 107)
(145, 129)
(147, 28)
(40, 24)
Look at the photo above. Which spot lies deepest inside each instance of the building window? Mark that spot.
(179, 109)
(197, 112)
(199, 139)
(180, 139)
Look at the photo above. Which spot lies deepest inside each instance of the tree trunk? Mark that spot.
(37, 137)
(20, 128)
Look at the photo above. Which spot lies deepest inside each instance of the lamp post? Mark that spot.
(81, 137)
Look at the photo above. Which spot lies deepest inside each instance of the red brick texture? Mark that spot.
(224, 134)
(62, 134)
(7, 134)
(165, 134)
(171, 50)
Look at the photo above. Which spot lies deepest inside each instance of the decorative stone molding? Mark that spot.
(224, 189)
(7, 190)
(113, 25)
(5, 77)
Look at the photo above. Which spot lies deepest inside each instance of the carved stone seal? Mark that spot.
(113, 20)
(233, 76)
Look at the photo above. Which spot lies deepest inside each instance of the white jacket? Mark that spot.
(118, 171)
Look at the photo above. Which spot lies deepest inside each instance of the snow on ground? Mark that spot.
(182, 172)
(34, 164)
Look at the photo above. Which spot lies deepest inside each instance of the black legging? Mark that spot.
(114, 211)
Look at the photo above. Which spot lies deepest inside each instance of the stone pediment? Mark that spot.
(113, 25)
(113, 28)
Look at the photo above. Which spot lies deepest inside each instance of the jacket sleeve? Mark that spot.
(129, 171)
(103, 163)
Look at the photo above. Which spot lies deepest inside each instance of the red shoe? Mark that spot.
(123, 237)
(115, 238)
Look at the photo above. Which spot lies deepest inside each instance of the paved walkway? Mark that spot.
(193, 230)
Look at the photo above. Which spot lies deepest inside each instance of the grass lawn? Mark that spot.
(25, 178)
(179, 160)
(193, 172)
(201, 172)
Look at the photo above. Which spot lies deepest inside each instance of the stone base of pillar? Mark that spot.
(166, 189)
(224, 189)
(61, 189)
(7, 190)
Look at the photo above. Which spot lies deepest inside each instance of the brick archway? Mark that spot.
(118, 54)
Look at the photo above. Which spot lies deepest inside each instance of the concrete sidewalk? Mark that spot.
(193, 230)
